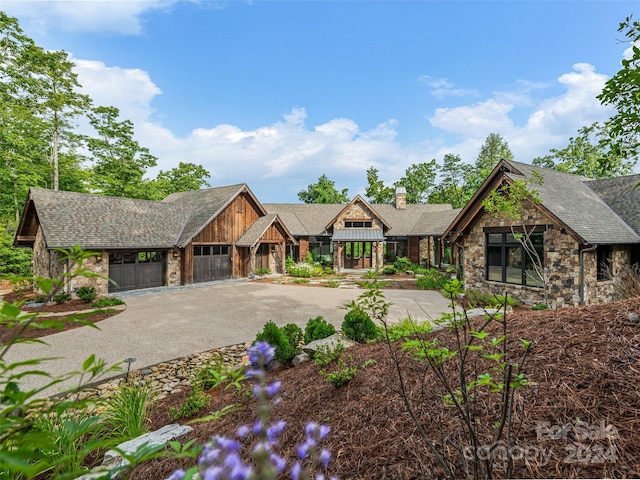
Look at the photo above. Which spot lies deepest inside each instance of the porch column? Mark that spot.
(252, 259)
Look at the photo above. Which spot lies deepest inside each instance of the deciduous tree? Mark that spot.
(453, 186)
(377, 191)
(324, 191)
(588, 154)
(419, 179)
(184, 177)
(120, 162)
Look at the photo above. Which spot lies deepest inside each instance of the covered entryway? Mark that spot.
(211, 262)
(357, 248)
(133, 270)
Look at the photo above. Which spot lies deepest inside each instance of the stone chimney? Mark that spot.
(401, 198)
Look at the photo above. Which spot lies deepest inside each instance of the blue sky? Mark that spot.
(276, 93)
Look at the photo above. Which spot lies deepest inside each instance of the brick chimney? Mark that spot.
(401, 198)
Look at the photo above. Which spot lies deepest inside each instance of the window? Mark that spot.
(208, 250)
(605, 254)
(357, 224)
(508, 262)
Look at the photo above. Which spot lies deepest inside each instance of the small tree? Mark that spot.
(510, 201)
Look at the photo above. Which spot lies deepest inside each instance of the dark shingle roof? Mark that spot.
(257, 229)
(622, 196)
(308, 219)
(569, 198)
(94, 221)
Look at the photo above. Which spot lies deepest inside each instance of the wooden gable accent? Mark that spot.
(231, 223)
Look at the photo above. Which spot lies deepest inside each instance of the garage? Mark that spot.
(133, 270)
(211, 262)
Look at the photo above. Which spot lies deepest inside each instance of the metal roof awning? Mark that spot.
(357, 235)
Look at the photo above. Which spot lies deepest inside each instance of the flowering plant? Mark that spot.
(221, 457)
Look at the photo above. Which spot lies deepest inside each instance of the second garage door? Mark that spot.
(211, 262)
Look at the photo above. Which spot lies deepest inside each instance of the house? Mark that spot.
(218, 233)
(360, 235)
(189, 237)
(583, 230)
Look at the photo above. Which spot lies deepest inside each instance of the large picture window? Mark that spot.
(605, 261)
(508, 262)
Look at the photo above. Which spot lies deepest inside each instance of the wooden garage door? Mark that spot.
(211, 262)
(133, 270)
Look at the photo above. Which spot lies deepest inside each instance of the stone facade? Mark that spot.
(174, 268)
(358, 211)
(561, 261)
(47, 264)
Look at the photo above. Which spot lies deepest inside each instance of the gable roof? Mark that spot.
(310, 219)
(204, 205)
(258, 229)
(564, 196)
(357, 199)
(106, 222)
(622, 196)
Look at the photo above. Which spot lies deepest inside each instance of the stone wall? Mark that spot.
(174, 268)
(561, 259)
(603, 291)
(99, 265)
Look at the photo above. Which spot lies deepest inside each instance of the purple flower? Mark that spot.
(296, 470)
(243, 431)
(273, 388)
(276, 429)
(226, 443)
(325, 456)
(177, 475)
(303, 450)
(261, 354)
(278, 462)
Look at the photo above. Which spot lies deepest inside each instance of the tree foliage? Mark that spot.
(588, 154)
(184, 177)
(623, 92)
(419, 180)
(324, 191)
(377, 191)
(494, 149)
(453, 187)
(120, 162)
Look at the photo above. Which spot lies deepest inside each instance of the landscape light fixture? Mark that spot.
(128, 361)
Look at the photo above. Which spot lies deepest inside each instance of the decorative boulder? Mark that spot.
(330, 342)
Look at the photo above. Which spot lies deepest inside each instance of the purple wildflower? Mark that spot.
(325, 456)
(296, 470)
(177, 475)
(261, 354)
(278, 462)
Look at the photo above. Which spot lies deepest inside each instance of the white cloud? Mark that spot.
(119, 16)
(442, 87)
(549, 124)
(279, 159)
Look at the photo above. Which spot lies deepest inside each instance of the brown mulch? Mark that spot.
(63, 322)
(584, 370)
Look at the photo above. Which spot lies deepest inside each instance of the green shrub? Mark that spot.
(343, 375)
(194, 403)
(431, 279)
(40, 298)
(333, 283)
(326, 354)
(127, 412)
(216, 373)
(329, 271)
(262, 271)
(389, 270)
(406, 327)
(402, 264)
(61, 298)
(274, 336)
(107, 302)
(540, 306)
(86, 294)
(358, 326)
(305, 270)
(481, 299)
(294, 334)
(317, 328)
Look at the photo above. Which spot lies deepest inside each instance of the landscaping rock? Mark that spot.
(113, 459)
(301, 358)
(331, 342)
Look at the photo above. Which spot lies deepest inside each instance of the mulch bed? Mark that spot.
(579, 418)
(34, 331)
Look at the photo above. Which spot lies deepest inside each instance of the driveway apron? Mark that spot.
(166, 324)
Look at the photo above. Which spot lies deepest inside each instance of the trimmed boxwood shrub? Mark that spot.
(358, 326)
(275, 336)
(317, 329)
(293, 333)
(86, 294)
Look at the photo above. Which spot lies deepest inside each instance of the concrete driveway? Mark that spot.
(163, 324)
